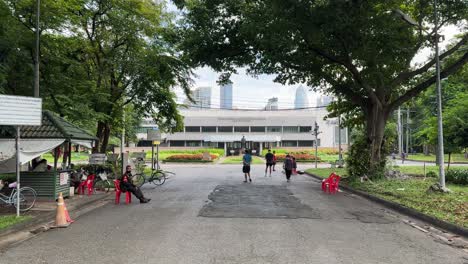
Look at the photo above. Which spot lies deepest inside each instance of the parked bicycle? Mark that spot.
(158, 177)
(27, 198)
(103, 182)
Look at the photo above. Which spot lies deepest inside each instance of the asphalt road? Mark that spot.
(268, 221)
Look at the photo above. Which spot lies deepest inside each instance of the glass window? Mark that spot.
(257, 129)
(225, 129)
(274, 129)
(192, 129)
(290, 129)
(193, 143)
(305, 129)
(289, 143)
(177, 143)
(306, 143)
(241, 129)
(209, 129)
(344, 137)
(210, 144)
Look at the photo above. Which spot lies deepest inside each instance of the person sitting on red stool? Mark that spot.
(126, 185)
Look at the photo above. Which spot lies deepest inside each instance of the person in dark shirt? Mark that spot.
(126, 185)
(269, 161)
(288, 166)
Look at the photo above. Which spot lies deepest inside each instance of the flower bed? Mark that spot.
(189, 158)
(298, 156)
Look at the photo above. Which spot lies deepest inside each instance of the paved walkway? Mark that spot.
(206, 215)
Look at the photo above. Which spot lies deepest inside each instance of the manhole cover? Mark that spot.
(255, 201)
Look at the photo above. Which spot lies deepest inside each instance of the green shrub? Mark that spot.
(457, 176)
(431, 174)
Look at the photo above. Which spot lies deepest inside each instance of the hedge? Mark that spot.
(298, 156)
(188, 157)
(458, 176)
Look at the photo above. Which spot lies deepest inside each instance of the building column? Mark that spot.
(261, 149)
(225, 149)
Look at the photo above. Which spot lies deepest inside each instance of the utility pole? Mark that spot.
(407, 130)
(439, 102)
(36, 55)
(400, 144)
(122, 141)
(316, 132)
(340, 157)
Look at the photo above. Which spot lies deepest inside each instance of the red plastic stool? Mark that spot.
(128, 195)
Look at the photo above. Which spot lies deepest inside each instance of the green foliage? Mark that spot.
(431, 174)
(356, 50)
(9, 220)
(457, 176)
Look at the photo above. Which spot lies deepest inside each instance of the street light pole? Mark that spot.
(440, 129)
(316, 128)
(36, 55)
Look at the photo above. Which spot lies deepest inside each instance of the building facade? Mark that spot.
(202, 98)
(216, 128)
(226, 96)
(301, 100)
(272, 104)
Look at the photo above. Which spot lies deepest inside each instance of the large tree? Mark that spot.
(358, 50)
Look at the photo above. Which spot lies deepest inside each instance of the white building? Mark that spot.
(272, 104)
(301, 100)
(261, 129)
(226, 96)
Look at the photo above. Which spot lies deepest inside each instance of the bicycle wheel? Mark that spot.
(139, 179)
(158, 178)
(27, 198)
(103, 185)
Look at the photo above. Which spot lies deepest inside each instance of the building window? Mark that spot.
(305, 129)
(192, 129)
(290, 129)
(344, 137)
(224, 129)
(210, 144)
(177, 143)
(241, 129)
(257, 129)
(193, 143)
(208, 129)
(274, 129)
(289, 143)
(305, 143)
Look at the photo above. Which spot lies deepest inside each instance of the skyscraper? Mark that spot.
(202, 98)
(226, 96)
(272, 104)
(324, 100)
(301, 100)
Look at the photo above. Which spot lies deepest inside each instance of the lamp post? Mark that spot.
(316, 132)
(36, 55)
(440, 132)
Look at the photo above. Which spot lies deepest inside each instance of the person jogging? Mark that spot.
(246, 160)
(269, 162)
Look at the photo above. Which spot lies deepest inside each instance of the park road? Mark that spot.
(207, 215)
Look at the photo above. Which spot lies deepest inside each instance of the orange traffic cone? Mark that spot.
(67, 215)
(60, 217)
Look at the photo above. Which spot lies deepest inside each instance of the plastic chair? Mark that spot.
(118, 191)
(331, 184)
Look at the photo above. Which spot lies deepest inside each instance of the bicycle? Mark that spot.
(102, 182)
(27, 198)
(158, 177)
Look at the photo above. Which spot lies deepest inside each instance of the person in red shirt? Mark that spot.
(274, 160)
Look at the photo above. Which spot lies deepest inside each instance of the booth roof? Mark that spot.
(52, 126)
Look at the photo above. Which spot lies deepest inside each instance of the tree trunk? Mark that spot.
(99, 133)
(375, 124)
(105, 137)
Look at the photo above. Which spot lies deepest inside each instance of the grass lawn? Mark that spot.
(412, 193)
(431, 158)
(9, 220)
(76, 156)
(238, 160)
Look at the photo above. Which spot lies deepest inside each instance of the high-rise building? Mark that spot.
(226, 96)
(301, 100)
(272, 104)
(324, 100)
(202, 98)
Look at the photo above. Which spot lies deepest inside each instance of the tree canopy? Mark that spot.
(357, 50)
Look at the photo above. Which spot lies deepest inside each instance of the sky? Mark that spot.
(254, 92)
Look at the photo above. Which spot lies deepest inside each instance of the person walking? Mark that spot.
(269, 162)
(274, 160)
(288, 166)
(246, 160)
(294, 170)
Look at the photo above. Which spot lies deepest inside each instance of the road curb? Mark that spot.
(42, 220)
(405, 210)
